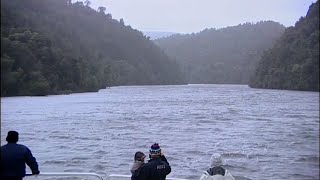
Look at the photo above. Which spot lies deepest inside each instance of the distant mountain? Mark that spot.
(157, 34)
(54, 47)
(293, 62)
(227, 55)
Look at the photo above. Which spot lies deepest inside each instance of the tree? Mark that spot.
(121, 22)
(79, 3)
(109, 16)
(87, 2)
(102, 9)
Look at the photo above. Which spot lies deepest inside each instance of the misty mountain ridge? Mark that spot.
(158, 34)
(226, 55)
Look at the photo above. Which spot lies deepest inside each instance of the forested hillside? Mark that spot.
(55, 46)
(227, 55)
(293, 62)
(157, 34)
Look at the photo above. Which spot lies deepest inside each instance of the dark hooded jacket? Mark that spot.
(216, 170)
(13, 159)
(155, 169)
(135, 170)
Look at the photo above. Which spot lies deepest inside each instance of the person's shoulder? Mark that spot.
(14, 146)
(229, 176)
(145, 168)
(21, 146)
(10, 145)
(3, 147)
(149, 164)
(217, 170)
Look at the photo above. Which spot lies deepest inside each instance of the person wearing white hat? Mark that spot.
(216, 171)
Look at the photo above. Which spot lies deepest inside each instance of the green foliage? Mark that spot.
(227, 55)
(293, 62)
(53, 47)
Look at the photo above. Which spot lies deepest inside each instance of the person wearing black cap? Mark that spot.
(14, 157)
(157, 167)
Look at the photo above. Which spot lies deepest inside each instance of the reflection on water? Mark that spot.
(262, 134)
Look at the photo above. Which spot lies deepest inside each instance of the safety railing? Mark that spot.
(120, 176)
(67, 174)
(93, 175)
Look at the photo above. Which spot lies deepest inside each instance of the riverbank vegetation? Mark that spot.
(293, 62)
(57, 47)
(54, 47)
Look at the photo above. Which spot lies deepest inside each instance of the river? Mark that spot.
(261, 134)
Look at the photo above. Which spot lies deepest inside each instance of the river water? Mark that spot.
(261, 134)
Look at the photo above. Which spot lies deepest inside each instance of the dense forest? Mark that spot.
(56, 46)
(227, 55)
(293, 62)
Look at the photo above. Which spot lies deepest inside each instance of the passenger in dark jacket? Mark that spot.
(14, 157)
(157, 167)
(137, 164)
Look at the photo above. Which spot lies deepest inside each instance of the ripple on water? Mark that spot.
(192, 153)
(256, 155)
(80, 158)
(206, 121)
(59, 137)
(99, 167)
(254, 127)
(90, 138)
(100, 152)
(237, 166)
(309, 158)
(234, 155)
(73, 170)
(304, 176)
(55, 162)
(200, 117)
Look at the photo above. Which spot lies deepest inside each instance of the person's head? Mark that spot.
(155, 151)
(12, 137)
(216, 160)
(139, 156)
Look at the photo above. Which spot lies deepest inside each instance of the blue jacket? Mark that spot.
(14, 158)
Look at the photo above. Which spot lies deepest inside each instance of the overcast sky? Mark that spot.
(188, 16)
